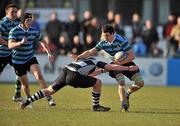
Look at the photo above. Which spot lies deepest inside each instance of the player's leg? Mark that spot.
(96, 93)
(138, 83)
(17, 96)
(35, 69)
(38, 95)
(86, 82)
(25, 85)
(3, 62)
(121, 91)
(57, 85)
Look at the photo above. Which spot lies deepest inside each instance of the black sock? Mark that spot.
(95, 98)
(17, 88)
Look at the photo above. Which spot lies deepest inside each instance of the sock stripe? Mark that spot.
(95, 98)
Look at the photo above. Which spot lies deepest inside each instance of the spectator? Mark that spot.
(89, 43)
(86, 23)
(77, 46)
(73, 26)
(62, 49)
(150, 36)
(175, 36)
(139, 47)
(110, 17)
(94, 29)
(171, 46)
(118, 25)
(136, 26)
(54, 29)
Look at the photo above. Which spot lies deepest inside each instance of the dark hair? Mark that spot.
(108, 28)
(9, 6)
(25, 16)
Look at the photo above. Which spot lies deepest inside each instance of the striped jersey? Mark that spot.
(85, 66)
(119, 44)
(5, 26)
(25, 52)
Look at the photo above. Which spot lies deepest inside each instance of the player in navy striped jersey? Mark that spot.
(113, 43)
(6, 24)
(21, 40)
(80, 75)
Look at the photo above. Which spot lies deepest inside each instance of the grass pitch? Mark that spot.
(150, 106)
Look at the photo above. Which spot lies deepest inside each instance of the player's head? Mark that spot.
(11, 11)
(107, 32)
(26, 20)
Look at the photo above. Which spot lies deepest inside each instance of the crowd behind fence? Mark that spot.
(76, 36)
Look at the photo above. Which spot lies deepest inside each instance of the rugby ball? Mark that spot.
(119, 56)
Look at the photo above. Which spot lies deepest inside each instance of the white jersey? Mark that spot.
(85, 66)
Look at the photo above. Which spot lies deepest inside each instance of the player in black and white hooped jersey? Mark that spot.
(79, 74)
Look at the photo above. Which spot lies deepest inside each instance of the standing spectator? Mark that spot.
(86, 23)
(175, 35)
(73, 26)
(136, 26)
(54, 28)
(110, 17)
(171, 46)
(94, 29)
(150, 36)
(118, 25)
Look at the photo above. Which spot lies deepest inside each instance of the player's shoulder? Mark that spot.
(4, 21)
(120, 38)
(34, 30)
(16, 28)
(101, 42)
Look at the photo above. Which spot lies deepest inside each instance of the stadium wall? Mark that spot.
(156, 71)
(173, 72)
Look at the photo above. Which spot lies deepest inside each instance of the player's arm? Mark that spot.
(98, 71)
(116, 67)
(129, 57)
(120, 68)
(13, 43)
(2, 30)
(85, 54)
(3, 42)
(45, 46)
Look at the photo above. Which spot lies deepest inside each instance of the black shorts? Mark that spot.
(21, 69)
(4, 61)
(128, 74)
(74, 79)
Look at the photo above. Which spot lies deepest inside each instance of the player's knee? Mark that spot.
(121, 80)
(139, 82)
(38, 76)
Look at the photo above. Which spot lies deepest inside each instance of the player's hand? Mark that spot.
(50, 57)
(133, 68)
(117, 62)
(74, 57)
(24, 40)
